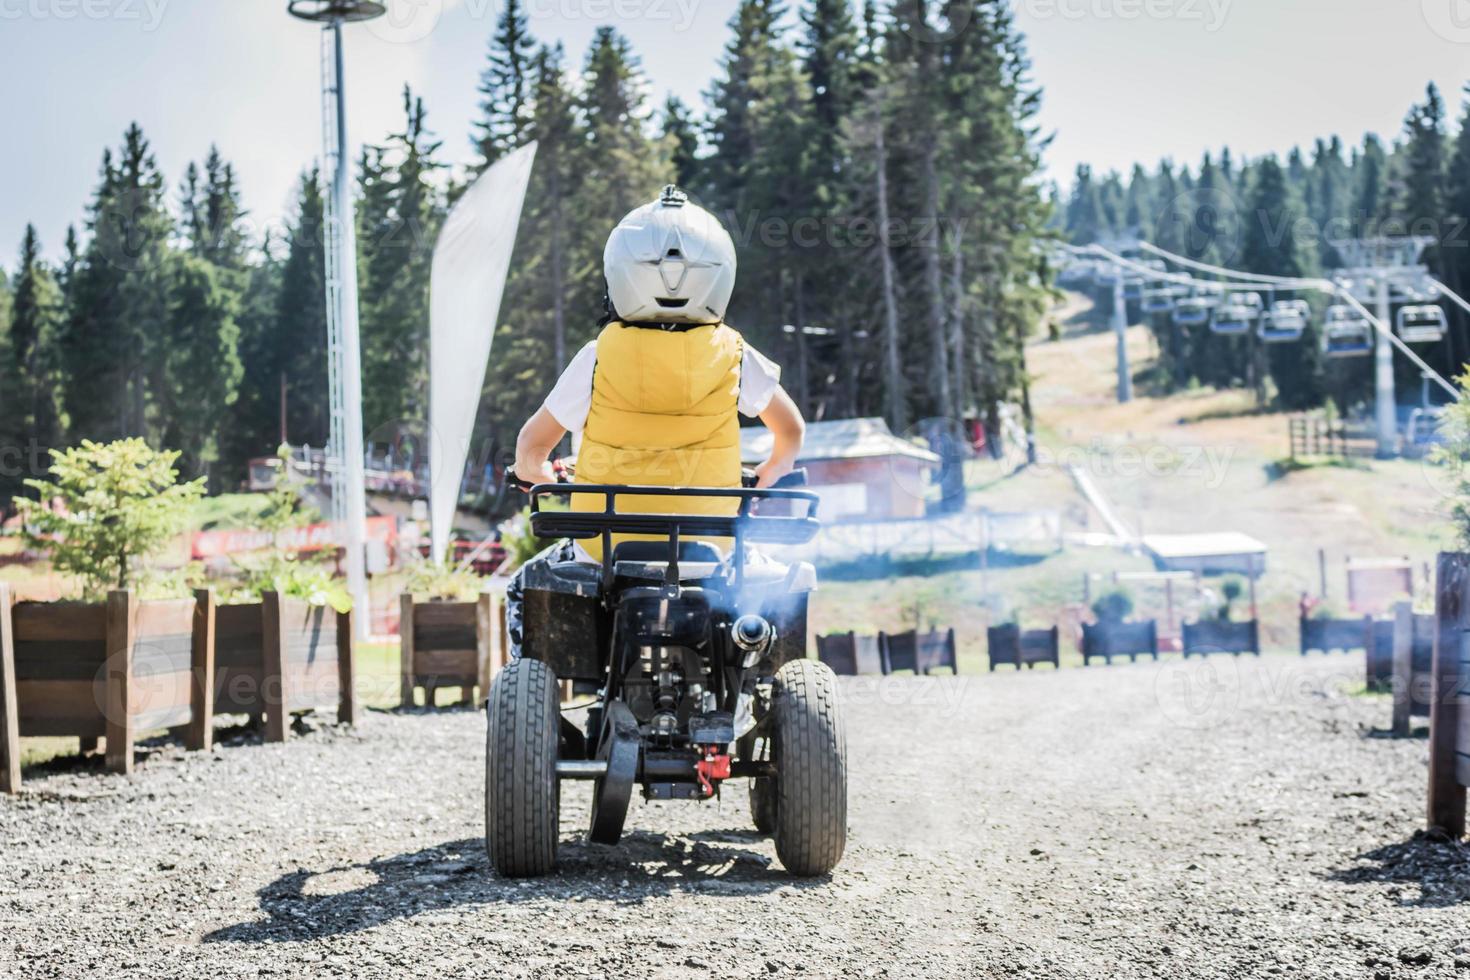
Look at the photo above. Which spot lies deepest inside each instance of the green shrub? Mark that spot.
(521, 545)
(1453, 453)
(106, 511)
(309, 581)
(440, 581)
(1113, 607)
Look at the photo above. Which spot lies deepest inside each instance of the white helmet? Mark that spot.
(669, 261)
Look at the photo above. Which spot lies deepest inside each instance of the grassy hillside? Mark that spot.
(1204, 460)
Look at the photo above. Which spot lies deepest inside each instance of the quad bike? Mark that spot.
(696, 662)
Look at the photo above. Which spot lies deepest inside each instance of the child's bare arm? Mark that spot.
(538, 437)
(788, 428)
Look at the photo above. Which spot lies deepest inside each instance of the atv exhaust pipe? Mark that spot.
(753, 634)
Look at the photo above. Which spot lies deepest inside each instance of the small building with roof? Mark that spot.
(860, 469)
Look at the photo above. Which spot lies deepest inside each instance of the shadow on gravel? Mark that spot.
(1419, 733)
(1438, 870)
(306, 904)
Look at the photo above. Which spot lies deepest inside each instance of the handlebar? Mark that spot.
(748, 478)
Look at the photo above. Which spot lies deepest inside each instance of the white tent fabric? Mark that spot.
(471, 259)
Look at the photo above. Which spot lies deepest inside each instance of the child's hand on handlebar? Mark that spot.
(769, 472)
(525, 477)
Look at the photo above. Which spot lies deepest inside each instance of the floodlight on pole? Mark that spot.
(344, 356)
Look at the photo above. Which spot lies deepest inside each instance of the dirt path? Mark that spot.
(1218, 821)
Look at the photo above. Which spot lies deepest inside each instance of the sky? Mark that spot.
(1123, 80)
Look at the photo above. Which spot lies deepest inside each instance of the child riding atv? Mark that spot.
(693, 644)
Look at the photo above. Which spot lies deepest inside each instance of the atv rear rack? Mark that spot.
(743, 526)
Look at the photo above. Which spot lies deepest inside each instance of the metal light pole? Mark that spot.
(1385, 406)
(1120, 330)
(344, 356)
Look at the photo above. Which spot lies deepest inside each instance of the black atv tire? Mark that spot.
(522, 794)
(763, 803)
(809, 749)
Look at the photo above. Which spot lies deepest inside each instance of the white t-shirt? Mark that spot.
(571, 399)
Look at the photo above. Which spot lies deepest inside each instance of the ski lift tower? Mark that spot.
(1376, 268)
(344, 359)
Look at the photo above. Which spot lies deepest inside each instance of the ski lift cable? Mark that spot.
(1255, 277)
(1450, 294)
(1337, 289)
(1319, 285)
(1143, 270)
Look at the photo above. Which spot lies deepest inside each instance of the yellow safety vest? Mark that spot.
(663, 414)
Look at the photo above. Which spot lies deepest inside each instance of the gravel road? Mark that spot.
(1234, 819)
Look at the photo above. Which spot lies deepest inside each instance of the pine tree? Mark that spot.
(35, 323)
(1271, 247)
(299, 341)
(506, 87)
(1085, 222)
(1420, 206)
(1370, 194)
(202, 365)
(223, 243)
(255, 424)
(118, 297)
(683, 138)
(401, 213)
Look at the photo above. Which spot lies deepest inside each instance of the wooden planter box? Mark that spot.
(1009, 644)
(848, 653)
(1411, 665)
(1327, 635)
(444, 644)
(918, 652)
(1222, 636)
(1379, 659)
(281, 655)
(109, 670)
(1130, 638)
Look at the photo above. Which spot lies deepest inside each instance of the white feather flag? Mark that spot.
(471, 260)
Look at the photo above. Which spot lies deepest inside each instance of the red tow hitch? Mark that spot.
(714, 767)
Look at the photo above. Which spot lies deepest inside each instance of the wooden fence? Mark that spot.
(1009, 644)
(1314, 437)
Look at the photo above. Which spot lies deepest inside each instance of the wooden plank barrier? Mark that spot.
(281, 655)
(111, 669)
(849, 653)
(1009, 644)
(1379, 659)
(1222, 636)
(918, 652)
(1131, 639)
(1449, 742)
(1412, 679)
(443, 644)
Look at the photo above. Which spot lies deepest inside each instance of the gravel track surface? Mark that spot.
(1234, 819)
